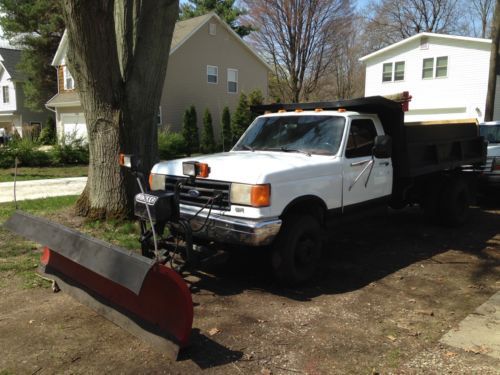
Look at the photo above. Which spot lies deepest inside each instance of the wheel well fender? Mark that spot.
(307, 204)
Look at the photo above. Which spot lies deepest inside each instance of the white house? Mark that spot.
(446, 75)
(13, 114)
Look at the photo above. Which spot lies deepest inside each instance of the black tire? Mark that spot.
(431, 200)
(454, 202)
(297, 249)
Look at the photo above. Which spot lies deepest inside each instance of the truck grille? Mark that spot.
(207, 190)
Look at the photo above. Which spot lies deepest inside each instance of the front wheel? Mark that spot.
(297, 250)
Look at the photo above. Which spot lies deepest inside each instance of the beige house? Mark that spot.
(209, 66)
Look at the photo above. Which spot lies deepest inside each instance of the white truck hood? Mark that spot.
(252, 167)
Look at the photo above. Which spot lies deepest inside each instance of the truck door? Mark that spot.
(366, 179)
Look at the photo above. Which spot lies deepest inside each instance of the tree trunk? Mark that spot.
(494, 64)
(118, 53)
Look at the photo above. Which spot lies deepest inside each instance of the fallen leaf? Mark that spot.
(391, 337)
(426, 312)
(31, 321)
(214, 331)
(265, 371)
(412, 300)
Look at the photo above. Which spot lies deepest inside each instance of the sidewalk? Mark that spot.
(35, 189)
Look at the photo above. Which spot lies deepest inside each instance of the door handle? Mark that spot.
(358, 163)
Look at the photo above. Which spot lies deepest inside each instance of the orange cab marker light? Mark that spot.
(267, 112)
(261, 195)
(121, 159)
(151, 181)
(204, 170)
(318, 110)
(299, 110)
(341, 110)
(282, 111)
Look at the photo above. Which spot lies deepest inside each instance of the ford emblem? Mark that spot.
(193, 193)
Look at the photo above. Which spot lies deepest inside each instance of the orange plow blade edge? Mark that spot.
(147, 299)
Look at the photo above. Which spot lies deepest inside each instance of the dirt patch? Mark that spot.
(388, 289)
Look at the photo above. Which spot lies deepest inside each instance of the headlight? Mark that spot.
(157, 181)
(251, 195)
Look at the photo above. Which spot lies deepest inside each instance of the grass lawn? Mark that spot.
(29, 173)
(19, 257)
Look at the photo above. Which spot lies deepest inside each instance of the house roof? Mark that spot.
(64, 99)
(9, 58)
(425, 34)
(182, 32)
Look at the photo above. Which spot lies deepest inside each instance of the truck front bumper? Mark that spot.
(230, 229)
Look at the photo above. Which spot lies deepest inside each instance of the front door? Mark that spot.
(366, 179)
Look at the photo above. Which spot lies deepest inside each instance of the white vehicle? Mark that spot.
(301, 166)
(491, 171)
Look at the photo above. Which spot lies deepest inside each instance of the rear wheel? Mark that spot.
(297, 249)
(454, 202)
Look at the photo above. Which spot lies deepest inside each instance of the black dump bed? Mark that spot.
(417, 149)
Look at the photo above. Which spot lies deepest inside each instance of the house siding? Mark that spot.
(186, 81)
(462, 94)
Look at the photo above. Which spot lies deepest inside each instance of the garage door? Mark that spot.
(74, 125)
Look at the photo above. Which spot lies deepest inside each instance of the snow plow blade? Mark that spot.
(147, 299)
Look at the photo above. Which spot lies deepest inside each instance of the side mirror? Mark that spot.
(382, 148)
(133, 162)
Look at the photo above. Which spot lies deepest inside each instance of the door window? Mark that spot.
(361, 138)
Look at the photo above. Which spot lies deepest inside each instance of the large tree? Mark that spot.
(298, 38)
(481, 12)
(118, 53)
(225, 9)
(494, 70)
(36, 26)
(394, 20)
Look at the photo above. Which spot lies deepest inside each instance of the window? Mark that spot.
(428, 68)
(361, 138)
(232, 81)
(442, 66)
(387, 73)
(212, 73)
(5, 94)
(399, 71)
(69, 82)
(212, 29)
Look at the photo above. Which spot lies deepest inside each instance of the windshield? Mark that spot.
(306, 134)
(490, 132)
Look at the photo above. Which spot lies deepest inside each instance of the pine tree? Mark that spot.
(207, 135)
(241, 118)
(225, 9)
(227, 139)
(190, 130)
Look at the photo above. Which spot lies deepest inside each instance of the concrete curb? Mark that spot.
(35, 189)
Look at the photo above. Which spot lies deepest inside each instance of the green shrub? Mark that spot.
(241, 118)
(171, 145)
(207, 144)
(48, 133)
(6, 158)
(190, 131)
(26, 151)
(70, 150)
(227, 138)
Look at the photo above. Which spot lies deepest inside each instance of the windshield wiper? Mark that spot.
(247, 147)
(286, 149)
